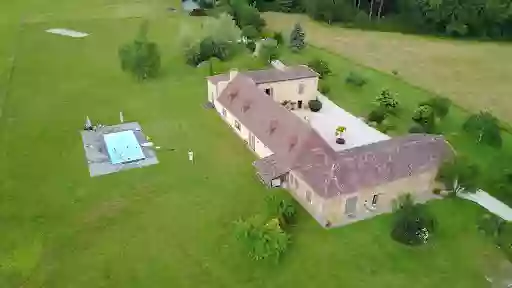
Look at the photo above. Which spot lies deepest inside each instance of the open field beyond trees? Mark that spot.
(171, 224)
(476, 75)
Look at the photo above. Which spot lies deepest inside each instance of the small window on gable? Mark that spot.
(301, 88)
(308, 197)
(237, 126)
(293, 142)
(224, 112)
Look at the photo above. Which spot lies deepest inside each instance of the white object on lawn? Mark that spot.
(147, 144)
(488, 202)
(190, 155)
(67, 32)
(121, 117)
(88, 123)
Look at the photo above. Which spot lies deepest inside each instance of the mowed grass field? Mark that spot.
(476, 75)
(168, 225)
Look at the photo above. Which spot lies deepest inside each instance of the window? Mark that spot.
(268, 91)
(224, 112)
(375, 199)
(237, 126)
(301, 88)
(308, 197)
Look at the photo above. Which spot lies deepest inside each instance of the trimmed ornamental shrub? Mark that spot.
(355, 79)
(417, 128)
(324, 88)
(385, 126)
(321, 67)
(413, 224)
(282, 208)
(387, 101)
(377, 115)
(315, 105)
(440, 106)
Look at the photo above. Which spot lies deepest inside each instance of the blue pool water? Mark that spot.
(123, 147)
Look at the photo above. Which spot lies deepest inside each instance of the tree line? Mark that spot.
(457, 18)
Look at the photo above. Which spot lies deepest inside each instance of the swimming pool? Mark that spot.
(123, 147)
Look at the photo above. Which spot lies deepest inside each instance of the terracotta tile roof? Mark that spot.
(297, 147)
(280, 130)
(373, 164)
(271, 75)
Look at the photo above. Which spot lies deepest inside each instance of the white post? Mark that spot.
(190, 156)
(121, 117)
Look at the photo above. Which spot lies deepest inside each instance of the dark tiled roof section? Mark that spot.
(285, 134)
(271, 75)
(374, 164)
(270, 167)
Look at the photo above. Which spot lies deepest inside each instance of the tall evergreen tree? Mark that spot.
(297, 38)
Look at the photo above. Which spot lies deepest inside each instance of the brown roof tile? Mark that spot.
(373, 164)
(271, 75)
(298, 147)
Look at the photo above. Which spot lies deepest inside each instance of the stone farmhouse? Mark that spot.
(336, 186)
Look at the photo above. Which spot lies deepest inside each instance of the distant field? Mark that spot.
(475, 75)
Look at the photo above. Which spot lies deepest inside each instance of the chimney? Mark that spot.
(232, 74)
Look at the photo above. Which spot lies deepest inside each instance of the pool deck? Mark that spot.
(96, 152)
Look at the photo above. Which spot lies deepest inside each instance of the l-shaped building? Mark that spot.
(335, 185)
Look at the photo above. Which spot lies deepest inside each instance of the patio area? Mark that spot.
(325, 122)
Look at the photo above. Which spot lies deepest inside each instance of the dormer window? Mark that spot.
(272, 126)
(293, 141)
(233, 94)
(246, 106)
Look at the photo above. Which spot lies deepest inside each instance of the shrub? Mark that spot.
(251, 46)
(440, 106)
(485, 128)
(193, 56)
(321, 67)
(387, 101)
(424, 116)
(504, 240)
(490, 224)
(278, 36)
(377, 115)
(297, 38)
(385, 126)
(417, 128)
(315, 105)
(281, 208)
(413, 224)
(250, 32)
(140, 57)
(198, 12)
(264, 239)
(459, 175)
(268, 50)
(355, 79)
(324, 88)
(436, 191)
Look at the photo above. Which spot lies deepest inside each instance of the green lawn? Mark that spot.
(169, 225)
